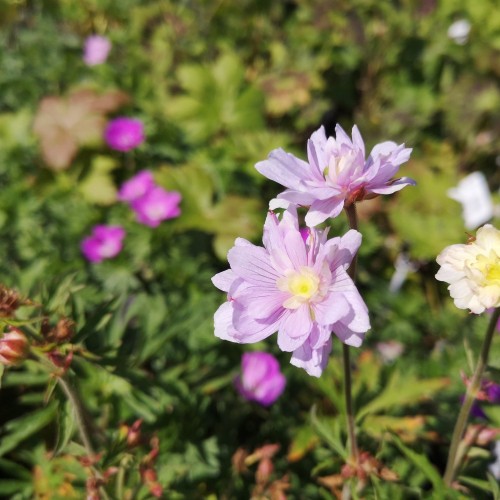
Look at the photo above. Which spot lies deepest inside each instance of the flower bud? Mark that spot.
(62, 332)
(14, 347)
(9, 302)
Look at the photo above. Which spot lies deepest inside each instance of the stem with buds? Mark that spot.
(474, 386)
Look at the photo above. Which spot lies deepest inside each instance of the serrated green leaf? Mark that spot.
(402, 389)
(329, 430)
(426, 467)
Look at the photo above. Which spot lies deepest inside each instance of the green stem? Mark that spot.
(351, 427)
(81, 423)
(470, 396)
(79, 415)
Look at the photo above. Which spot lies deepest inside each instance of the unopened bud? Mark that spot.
(62, 332)
(14, 347)
(134, 433)
(264, 471)
(9, 302)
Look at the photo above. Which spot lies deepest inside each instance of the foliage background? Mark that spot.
(218, 86)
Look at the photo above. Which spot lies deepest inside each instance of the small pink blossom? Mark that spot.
(261, 379)
(336, 175)
(157, 205)
(96, 50)
(104, 243)
(14, 347)
(296, 288)
(137, 186)
(124, 134)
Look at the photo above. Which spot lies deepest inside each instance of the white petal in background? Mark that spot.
(474, 195)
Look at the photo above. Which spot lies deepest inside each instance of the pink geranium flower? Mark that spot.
(336, 175)
(96, 50)
(261, 379)
(156, 205)
(124, 134)
(298, 288)
(105, 242)
(137, 186)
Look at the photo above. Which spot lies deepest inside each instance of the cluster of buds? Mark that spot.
(480, 435)
(131, 434)
(60, 333)
(366, 466)
(10, 300)
(14, 347)
(265, 487)
(94, 483)
(149, 477)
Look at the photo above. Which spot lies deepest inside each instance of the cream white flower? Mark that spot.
(473, 271)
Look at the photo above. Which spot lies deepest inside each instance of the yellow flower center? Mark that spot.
(302, 286)
(489, 266)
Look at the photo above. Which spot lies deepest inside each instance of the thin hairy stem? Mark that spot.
(470, 395)
(351, 427)
(79, 414)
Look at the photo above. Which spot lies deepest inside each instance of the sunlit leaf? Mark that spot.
(304, 439)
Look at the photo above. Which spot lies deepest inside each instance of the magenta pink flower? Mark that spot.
(96, 50)
(298, 288)
(157, 205)
(104, 243)
(261, 379)
(124, 134)
(137, 186)
(337, 174)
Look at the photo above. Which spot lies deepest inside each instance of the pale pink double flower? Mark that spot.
(297, 288)
(336, 175)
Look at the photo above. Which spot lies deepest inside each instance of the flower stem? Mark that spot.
(472, 390)
(79, 415)
(351, 427)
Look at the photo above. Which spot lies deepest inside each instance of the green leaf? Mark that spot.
(229, 218)
(9, 487)
(400, 390)
(408, 428)
(329, 430)
(304, 439)
(477, 483)
(423, 464)
(19, 429)
(495, 487)
(66, 420)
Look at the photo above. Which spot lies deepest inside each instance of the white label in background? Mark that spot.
(474, 195)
